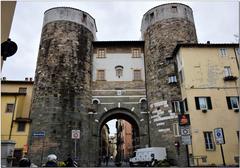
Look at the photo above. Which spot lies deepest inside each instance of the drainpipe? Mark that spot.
(15, 103)
(236, 82)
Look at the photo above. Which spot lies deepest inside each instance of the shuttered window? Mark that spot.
(203, 103)
(233, 102)
(209, 143)
(227, 71)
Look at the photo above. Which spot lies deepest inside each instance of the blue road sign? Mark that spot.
(39, 133)
(219, 136)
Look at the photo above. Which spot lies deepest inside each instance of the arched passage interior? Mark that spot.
(123, 114)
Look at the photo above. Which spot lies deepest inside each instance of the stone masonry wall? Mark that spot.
(160, 40)
(62, 91)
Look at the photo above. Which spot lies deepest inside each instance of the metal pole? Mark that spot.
(75, 149)
(149, 139)
(42, 152)
(187, 156)
(224, 164)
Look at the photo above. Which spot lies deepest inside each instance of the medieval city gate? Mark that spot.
(73, 70)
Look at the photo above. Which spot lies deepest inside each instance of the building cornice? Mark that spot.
(118, 43)
(13, 94)
(203, 45)
(16, 82)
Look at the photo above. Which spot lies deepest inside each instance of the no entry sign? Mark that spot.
(75, 134)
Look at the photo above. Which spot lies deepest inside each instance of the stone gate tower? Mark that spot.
(62, 90)
(162, 28)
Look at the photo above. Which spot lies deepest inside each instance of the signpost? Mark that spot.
(219, 137)
(184, 123)
(75, 136)
(40, 134)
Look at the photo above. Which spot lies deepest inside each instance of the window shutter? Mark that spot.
(209, 103)
(229, 103)
(197, 103)
(181, 107)
(186, 105)
(173, 110)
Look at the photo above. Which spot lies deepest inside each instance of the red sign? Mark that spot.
(183, 119)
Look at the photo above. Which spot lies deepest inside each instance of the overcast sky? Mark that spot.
(215, 21)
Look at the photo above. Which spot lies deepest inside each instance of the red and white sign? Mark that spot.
(75, 134)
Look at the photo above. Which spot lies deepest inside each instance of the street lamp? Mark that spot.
(8, 48)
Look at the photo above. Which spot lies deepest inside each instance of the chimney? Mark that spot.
(208, 42)
(26, 79)
(4, 78)
(30, 79)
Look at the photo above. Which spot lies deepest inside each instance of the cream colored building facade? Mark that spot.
(15, 108)
(208, 75)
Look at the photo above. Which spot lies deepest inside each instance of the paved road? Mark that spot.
(112, 164)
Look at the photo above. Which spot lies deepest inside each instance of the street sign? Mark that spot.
(75, 134)
(183, 119)
(185, 130)
(219, 136)
(186, 140)
(39, 133)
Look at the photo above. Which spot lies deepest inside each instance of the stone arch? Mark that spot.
(125, 114)
(119, 113)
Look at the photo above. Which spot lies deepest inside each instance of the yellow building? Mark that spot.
(208, 75)
(15, 110)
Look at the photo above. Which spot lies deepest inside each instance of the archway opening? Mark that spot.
(119, 138)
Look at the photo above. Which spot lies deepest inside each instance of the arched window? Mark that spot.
(143, 104)
(119, 71)
(95, 103)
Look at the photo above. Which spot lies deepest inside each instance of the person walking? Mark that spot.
(106, 159)
(51, 161)
(24, 162)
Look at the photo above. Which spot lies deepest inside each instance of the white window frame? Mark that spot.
(176, 107)
(234, 99)
(172, 79)
(223, 52)
(204, 101)
(208, 140)
(176, 130)
(227, 71)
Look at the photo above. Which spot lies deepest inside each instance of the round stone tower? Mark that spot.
(162, 28)
(62, 86)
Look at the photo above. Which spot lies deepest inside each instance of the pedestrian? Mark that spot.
(153, 161)
(107, 158)
(24, 162)
(51, 161)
